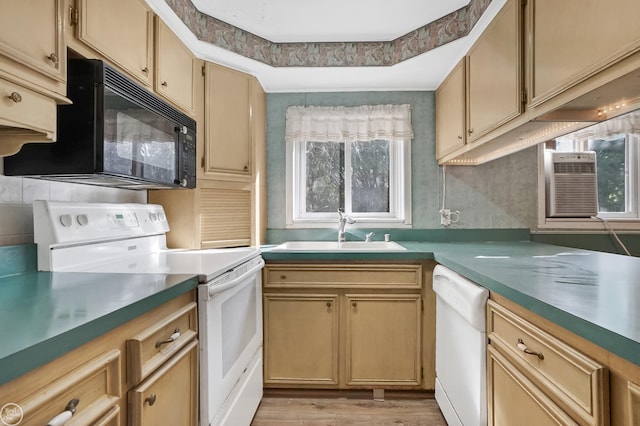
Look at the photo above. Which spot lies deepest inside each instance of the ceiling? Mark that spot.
(331, 21)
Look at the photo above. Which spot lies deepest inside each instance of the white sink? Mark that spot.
(336, 246)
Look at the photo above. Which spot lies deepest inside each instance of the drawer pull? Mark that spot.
(64, 417)
(15, 97)
(170, 339)
(283, 277)
(522, 347)
(151, 399)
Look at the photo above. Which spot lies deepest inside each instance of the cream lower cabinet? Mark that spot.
(112, 381)
(343, 326)
(302, 335)
(535, 378)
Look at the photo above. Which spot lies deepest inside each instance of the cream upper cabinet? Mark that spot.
(494, 76)
(33, 60)
(383, 335)
(174, 77)
(32, 47)
(450, 112)
(569, 41)
(228, 145)
(120, 31)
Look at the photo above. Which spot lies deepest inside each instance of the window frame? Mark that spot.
(399, 191)
(629, 220)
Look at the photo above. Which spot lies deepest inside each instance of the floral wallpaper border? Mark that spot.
(330, 54)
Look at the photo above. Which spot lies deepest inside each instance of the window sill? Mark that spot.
(571, 225)
(357, 225)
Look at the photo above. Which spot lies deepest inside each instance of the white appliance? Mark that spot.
(130, 238)
(571, 184)
(461, 341)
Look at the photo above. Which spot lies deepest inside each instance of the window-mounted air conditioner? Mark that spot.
(571, 184)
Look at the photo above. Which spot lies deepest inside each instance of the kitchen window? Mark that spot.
(356, 159)
(616, 144)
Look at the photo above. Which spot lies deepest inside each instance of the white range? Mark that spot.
(130, 238)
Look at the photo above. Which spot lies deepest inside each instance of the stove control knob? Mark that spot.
(66, 220)
(83, 219)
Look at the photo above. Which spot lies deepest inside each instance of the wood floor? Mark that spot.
(284, 411)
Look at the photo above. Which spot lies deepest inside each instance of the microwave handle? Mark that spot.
(181, 132)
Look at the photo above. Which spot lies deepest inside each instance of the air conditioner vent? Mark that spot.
(572, 186)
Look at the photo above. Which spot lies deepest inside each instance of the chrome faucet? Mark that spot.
(367, 237)
(344, 219)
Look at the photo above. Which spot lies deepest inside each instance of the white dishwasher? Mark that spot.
(461, 341)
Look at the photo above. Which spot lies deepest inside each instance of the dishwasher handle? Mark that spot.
(214, 289)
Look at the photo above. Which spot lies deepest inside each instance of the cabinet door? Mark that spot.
(121, 31)
(170, 395)
(450, 112)
(513, 400)
(494, 80)
(383, 337)
(174, 68)
(31, 36)
(228, 144)
(300, 339)
(571, 40)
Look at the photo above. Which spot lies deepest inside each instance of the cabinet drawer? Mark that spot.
(170, 395)
(26, 109)
(347, 276)
(577, 383)
(95, 384)
(153, 346)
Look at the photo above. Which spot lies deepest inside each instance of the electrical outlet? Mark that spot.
(445, 217)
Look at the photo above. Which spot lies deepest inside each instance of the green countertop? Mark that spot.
(46, 314)
(595, 295)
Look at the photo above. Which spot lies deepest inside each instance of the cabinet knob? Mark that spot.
(246, 168)
(460, 137)
(522, 347)
(15, 97)
(283, 277)
(470, 131)
(145, 71)
(354, 304)
(164, 84)
(54, 58)
(151, 399)
(328, 304)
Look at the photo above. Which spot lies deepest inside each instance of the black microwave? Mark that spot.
(116, 133)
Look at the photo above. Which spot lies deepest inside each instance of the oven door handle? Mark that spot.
(217, 289)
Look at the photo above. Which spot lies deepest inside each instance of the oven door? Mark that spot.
(230, 312)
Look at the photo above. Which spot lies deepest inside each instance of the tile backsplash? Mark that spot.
(17, 195)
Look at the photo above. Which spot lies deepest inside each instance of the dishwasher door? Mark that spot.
(460, 348)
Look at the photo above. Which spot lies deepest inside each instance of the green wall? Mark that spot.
(499, 194)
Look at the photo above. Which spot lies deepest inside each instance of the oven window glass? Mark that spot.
(138, 142)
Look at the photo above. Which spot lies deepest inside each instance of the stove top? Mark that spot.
(120, 238)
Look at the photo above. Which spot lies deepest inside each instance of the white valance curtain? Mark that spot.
(628, 123)
(348, 124)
